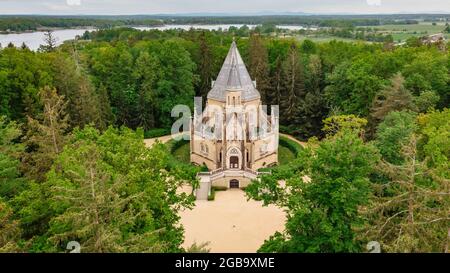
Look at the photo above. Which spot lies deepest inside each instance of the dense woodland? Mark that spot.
(73, 165)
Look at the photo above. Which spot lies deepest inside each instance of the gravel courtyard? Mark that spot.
(231, 223)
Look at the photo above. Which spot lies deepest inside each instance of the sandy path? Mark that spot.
(150, 141)
(294, 139)
(231, 223)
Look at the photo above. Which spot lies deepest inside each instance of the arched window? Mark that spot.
(234, 101)
(234, 151)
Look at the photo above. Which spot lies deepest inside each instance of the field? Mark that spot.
(403, 32)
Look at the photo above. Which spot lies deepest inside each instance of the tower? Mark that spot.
(234, 137)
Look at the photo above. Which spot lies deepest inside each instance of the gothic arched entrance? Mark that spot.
(234, 184)
(234, 158)
(234, 162)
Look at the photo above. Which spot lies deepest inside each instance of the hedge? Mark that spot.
(159, 132)
(293, 146)
(212, 196)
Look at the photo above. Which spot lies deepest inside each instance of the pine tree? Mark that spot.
(410, 213)
(45, 135)
(277, 83)
(394, 97)
(83, 102)
(50, 42)
(295, 84)
(312, 107)
(205, 65)
(106, 113)
(97, 209)
(259, 65)
(10, 181)
(9, 229)
(146, 75)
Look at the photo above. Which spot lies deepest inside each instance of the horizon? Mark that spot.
(213, 14)
(228, 8)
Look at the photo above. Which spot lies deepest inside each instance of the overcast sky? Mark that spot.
(221, 6)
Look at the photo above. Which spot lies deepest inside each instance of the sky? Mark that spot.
(115, 7)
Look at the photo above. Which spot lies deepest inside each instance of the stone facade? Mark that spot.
(234, 136)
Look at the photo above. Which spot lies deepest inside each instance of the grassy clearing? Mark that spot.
(285, 155)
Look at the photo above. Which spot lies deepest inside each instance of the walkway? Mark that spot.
(150, 141)
(163, 139)
(303, 144)
(230, 223)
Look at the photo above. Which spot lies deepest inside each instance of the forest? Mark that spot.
(18, 23)
(73, 163)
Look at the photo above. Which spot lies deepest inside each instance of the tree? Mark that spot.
(83, 104)
(22, 74)
(435, 142)
(50, 42)
(9, 229)
(277, 83)
(45, 135)
(147, 74)
(118, 208)
(392, 98)
(410, 212)
(205, 65)
(10, 181)
(177, 85)
(96, 209)
(312, 108)
(295, 83)
(336, 125)
(426, 101)
(428, 71)
(322, 213)
(393, 133)
(352, 87)
(110, 193)
(259, 66)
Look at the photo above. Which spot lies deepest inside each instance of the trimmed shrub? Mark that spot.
(212, 196)
(220, 188)
(158, 132)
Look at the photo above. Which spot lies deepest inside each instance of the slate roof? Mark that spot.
(233, 76)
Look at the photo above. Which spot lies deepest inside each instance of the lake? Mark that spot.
(34, 39)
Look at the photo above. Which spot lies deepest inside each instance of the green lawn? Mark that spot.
(182, 153)
(285, 155)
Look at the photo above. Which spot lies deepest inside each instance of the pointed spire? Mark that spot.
(233, 76)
